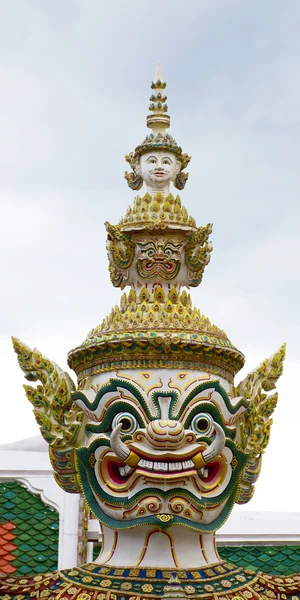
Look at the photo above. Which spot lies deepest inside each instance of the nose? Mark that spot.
(159, 164)
(165, 434)
(159, 255)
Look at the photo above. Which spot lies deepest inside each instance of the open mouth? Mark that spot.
(162, 261)
(159, 467)
(120, 474)
(159, 261)
(155, 261)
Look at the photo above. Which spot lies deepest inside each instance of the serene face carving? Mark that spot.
(158, 169)
(160, 449)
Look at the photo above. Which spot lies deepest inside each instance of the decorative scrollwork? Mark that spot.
(151, 504)
(164, 518)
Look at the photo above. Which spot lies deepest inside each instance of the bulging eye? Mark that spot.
(129, 422)
(202, 424)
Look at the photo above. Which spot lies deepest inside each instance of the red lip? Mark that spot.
(113, 470)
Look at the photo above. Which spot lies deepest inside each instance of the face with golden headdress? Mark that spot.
(162, 446)
(158, 170)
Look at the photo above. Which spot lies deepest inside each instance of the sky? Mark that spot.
(74, 87)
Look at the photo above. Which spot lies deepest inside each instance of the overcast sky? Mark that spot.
(74, 86)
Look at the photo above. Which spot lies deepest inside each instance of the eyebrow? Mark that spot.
(151, 157)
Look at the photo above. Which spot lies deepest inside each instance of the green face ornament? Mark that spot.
(162, 447)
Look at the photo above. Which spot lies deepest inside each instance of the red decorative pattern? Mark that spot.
(6, 547)
(83, 584)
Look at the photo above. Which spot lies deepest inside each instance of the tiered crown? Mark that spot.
(156, 249)
(157, 212)
(166, 333)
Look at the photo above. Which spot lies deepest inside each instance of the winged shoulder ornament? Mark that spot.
(59, 419)
(256, 421)
(197, 253)
(121, 250)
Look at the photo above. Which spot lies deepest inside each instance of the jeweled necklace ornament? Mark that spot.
(157, 436)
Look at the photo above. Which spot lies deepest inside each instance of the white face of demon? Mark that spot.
(161, 447)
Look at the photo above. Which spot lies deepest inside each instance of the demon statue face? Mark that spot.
(162, 447)
(162, 257)
(159, 445)
(159, 258)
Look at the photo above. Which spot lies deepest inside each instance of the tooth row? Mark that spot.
(164, 466)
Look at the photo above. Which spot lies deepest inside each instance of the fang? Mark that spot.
(203, 472)
(125, 471)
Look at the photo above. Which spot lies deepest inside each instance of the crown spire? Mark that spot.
(158, 121)
(158, 74)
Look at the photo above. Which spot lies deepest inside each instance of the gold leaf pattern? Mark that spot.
(256, 422)
(158, 212)
(59, 420)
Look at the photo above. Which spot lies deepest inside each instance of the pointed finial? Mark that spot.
(158, 121)
(158, 74)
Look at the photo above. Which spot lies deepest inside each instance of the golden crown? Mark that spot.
(165, 333)
(156, 249)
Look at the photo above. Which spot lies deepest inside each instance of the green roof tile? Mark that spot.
(36, 529)
(41, 547)
(24, 547)
(274, 560)
(25, 537)
(39, 537)
(9, 494)
(8, 505)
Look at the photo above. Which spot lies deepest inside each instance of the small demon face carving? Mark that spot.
(159, 259)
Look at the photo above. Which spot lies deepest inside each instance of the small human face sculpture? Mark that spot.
(158, 170)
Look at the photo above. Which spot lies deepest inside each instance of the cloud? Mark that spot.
(74, 83)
